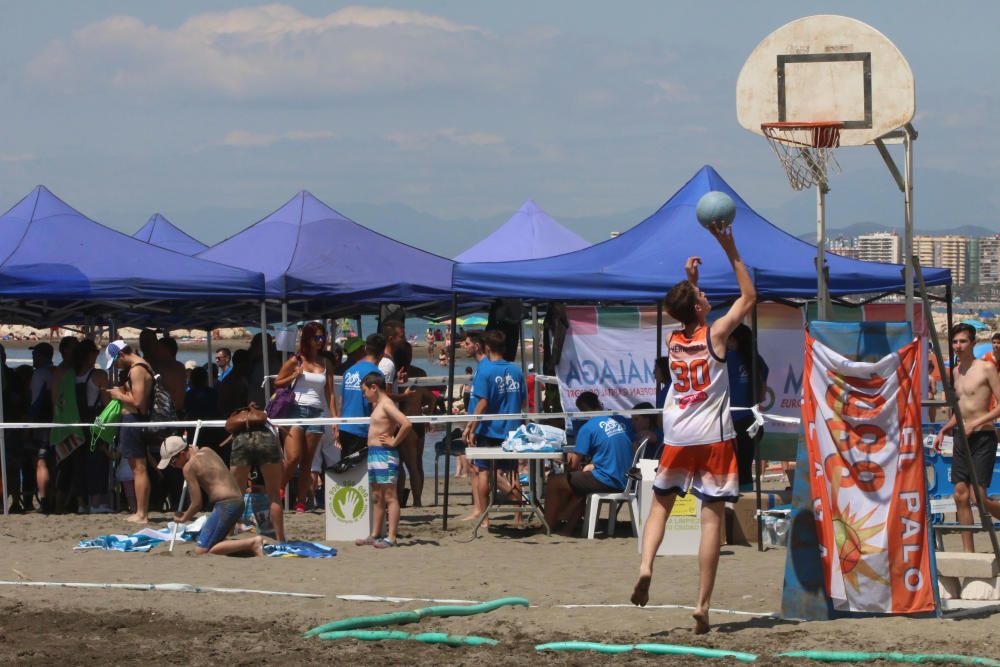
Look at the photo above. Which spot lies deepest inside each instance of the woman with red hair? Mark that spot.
(311, 378)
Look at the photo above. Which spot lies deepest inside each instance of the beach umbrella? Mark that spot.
(986, 314)
(473, 321)
(976, 324)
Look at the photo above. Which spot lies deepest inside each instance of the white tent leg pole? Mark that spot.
(208, 341)
(265, 348)
(284, 326)
(3, 449)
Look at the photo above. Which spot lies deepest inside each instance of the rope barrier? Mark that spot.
(415, 419)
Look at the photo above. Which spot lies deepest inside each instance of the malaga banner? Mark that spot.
(862, 429)
(609, 351)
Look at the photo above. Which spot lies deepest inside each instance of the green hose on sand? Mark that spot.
(404, 617)
(426, 637)
(857, 656)
(659, 649)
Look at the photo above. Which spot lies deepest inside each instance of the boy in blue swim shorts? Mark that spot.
(383, 458)
(207, 475)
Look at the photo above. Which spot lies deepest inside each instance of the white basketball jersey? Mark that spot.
(696, 411)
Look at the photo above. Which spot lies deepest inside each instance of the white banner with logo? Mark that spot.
(609, 351)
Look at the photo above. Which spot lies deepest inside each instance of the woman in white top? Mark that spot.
(312, 380)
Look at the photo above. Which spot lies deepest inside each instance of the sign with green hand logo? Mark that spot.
(347, 505)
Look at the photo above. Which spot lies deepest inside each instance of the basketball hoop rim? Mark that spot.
(824, 133)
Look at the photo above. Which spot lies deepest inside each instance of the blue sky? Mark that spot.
(216, 113)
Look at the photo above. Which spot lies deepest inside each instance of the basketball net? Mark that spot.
(805, 150)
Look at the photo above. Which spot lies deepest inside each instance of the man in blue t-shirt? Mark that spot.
(353, 438)
(605, 442)
(498, 388)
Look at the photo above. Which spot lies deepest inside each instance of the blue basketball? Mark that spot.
(715, 209)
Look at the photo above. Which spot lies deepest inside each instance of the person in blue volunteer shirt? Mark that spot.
(606, 443)
(353, 438)
(498, 388)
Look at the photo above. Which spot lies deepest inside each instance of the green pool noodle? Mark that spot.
(658, 649)
(404, 617)
(426, 637)
(585, 646)
(858, 656)
(701, 652)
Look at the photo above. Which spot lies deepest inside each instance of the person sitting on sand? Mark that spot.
(206, 473)
(383, 458)
(605, 442)
(699, 453)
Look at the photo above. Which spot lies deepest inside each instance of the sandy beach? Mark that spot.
(75, 626)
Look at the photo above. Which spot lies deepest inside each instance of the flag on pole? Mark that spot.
(862, 428)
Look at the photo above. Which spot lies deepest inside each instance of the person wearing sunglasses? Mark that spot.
(223, 357)
(311, 378)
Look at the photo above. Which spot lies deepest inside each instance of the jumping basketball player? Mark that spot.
(700, 451)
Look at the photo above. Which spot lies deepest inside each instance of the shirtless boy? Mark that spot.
(383, 458)
(206, 473)
(976, 385)
(699, 451)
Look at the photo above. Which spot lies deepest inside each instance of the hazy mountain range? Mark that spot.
(861, 201)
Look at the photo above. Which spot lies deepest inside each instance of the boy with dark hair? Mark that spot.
(977, 386)
(699, 451)
(383, 458)
(497, 389)
(352, 439)
(605, 443)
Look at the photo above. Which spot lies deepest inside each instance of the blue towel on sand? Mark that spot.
(299, 549)
(141, 543)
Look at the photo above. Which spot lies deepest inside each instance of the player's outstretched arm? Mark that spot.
(748, 294)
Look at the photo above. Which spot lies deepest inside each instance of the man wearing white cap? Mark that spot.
(205, 472)
(134, 395)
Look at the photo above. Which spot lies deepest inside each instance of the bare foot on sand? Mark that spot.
(135, 518)
(470, 516)
(701, 625)
(640, 594)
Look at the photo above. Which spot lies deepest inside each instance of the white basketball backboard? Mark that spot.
(827, 68)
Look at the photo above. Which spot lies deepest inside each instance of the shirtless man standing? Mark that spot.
(205, 472)
(977, 384)
(383, 458)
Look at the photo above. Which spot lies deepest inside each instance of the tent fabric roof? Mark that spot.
(643, 263)
(307, 250)
(530, 233)
(49, 250)
(161, 232)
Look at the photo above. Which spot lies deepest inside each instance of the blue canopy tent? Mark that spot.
(309, 252)
(161, 232)
(528, 234)
(57, 264)
(641, 264)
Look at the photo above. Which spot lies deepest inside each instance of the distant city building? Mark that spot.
(946, 252)
(989, 260)
(843, 246)
(880, 247)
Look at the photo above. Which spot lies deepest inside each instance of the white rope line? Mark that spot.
(415, 419)
(177, 588)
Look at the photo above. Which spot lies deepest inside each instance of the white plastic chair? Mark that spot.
(629, 495)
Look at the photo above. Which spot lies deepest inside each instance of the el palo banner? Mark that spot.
(609, 351)
(862, 429)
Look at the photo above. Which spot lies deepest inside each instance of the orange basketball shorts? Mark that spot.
(708, 471)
